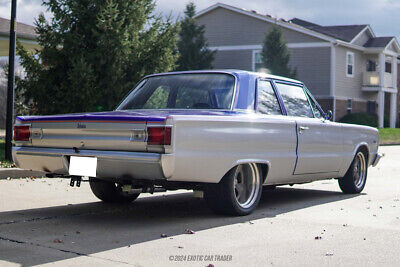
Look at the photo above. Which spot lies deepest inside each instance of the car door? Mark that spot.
(279, 140)
(319, 142)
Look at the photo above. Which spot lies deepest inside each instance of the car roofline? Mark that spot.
(228, 71)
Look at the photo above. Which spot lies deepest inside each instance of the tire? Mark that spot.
(110, 192)
(356, 177)
(238, 193)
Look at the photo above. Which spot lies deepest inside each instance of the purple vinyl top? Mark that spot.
(126, 115)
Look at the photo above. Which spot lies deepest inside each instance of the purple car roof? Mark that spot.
(235, 72)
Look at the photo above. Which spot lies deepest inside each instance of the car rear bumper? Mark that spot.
(110, 164)
(377, 159)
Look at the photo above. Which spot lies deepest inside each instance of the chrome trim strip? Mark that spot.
(136, 156)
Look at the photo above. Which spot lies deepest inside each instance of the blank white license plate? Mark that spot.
(83, 166)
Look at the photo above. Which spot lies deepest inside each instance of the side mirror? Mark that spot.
(328, 115)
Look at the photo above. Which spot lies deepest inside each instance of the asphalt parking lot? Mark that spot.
(46, 222)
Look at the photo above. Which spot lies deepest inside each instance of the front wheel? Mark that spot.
(110, 191)
(356, 177)
(238, 193)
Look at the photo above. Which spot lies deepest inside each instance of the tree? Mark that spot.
(192, 45)
(275, 55)
(94, 52)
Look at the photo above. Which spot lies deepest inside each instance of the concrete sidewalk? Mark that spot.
(18, 173)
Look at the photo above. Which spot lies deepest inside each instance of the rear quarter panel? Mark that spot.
(355, 136)
(205, 148)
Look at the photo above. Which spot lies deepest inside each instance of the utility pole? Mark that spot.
(11, 80)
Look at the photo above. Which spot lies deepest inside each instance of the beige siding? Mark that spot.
(241, 59)
(362, 39)
(313, 68)
(312, 64)
(350, 87)
(226, 27)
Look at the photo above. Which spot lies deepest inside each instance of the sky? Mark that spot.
(382, 15)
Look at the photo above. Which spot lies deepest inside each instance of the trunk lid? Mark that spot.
(116, 130)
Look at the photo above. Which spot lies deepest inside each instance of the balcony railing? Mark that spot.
(387, 80)
(371, 78)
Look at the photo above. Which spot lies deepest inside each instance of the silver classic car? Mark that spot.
(225, 133)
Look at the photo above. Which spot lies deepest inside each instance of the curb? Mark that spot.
(19, 173)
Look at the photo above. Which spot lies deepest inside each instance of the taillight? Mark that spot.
(21, 133)
(159, 136)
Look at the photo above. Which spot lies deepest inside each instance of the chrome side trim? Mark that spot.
(377, 159)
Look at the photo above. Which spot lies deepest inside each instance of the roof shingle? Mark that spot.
(341, 32)
(379, 41)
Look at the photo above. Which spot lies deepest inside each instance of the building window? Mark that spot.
(388, 67)
(350, 64)
(258, 65)
(371, 65)
(349, 106)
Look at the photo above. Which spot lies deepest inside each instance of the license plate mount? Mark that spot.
(83, 166)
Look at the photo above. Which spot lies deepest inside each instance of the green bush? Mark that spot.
(361, 118)
(364, 119)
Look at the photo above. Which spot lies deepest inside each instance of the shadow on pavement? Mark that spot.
(95, 227)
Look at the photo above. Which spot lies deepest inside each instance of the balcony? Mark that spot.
(371, 78)
(387, 80)
(371, 81)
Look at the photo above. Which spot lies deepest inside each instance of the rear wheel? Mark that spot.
(238, 193)
(356, 177)
(110, 191)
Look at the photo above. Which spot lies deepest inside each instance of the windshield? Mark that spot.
(182, 91)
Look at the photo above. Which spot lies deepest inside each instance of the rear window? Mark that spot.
(182, 91)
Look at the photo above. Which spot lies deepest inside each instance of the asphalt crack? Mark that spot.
(60, 216)
(12, 240)
(59, 249)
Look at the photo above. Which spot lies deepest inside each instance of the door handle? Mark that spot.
(303, 128)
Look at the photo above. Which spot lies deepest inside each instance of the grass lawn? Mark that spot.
(389, 136)
(1, 150)
(3, 162)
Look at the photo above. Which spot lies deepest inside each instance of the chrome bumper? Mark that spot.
(377, 158)
(110, 164)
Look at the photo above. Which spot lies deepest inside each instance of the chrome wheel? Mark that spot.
(246, 183)
(360, 170)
